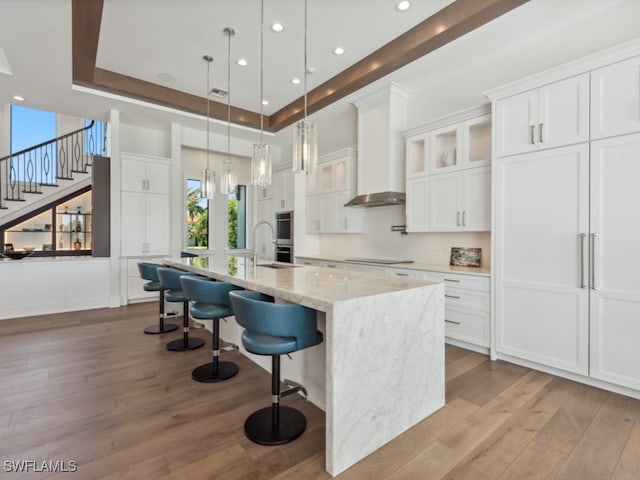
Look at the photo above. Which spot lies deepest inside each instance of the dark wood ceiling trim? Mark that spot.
(450, 23)
(132, 87)
(86, 16)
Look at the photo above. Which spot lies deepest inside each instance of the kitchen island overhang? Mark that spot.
(384, 346)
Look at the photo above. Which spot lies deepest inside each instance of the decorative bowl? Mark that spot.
(16, 255)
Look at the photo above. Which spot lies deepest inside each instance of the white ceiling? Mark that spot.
(144, 38)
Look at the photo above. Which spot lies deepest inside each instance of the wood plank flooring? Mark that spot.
(91, 387)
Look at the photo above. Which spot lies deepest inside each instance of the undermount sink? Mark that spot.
(277, 265)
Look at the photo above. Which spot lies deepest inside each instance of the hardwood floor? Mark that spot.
(91, 387)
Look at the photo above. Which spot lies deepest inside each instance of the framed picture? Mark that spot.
(465, 257)
(8, 247)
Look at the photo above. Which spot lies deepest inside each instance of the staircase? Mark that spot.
(46, 172)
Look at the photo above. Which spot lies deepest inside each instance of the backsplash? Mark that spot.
(380, 242)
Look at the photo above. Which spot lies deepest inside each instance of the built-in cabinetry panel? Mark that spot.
(145, 215)
(615, 99)
(328, 189)
(550, 116)
(449, 174)
(566, 296)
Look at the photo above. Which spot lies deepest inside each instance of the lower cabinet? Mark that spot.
(467, 309)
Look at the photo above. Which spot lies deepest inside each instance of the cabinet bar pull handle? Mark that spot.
(451, 321)
(450, 280)
(404, 275)
(452, 296)
(582, 237)
(540, 132)
(458, 219)
(464, 218)
(593, 261)
(533, 134)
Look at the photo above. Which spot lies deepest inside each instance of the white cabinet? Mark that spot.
(417, 204)
(145, 215)
(448, 174)
(566, 293)
(542, 211)
(467, 308)
(551, 116)
(615, 99)
(615, 285)
(461, 201)
(284, 190)
(328, 189)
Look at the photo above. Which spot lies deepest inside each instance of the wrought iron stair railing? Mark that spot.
(28, 170)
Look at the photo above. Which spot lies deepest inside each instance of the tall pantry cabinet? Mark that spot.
(566, 222)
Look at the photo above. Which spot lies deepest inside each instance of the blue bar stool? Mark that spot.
(274, 329)
(170, 279)
(149, 272)
(210, 301)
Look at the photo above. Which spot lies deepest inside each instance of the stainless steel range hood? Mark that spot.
(380, 199)
(382, 115)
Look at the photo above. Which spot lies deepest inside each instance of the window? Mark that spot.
(237, 218)
(197, 217)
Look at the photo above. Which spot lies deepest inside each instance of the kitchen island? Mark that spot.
(383, 362)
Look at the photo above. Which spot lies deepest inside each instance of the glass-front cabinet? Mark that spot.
(64, 227)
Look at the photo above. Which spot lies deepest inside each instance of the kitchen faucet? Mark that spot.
(255, 247)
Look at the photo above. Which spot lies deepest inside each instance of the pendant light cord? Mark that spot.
(261, 71)
(208, 59)
(231, 32)
(305, 61)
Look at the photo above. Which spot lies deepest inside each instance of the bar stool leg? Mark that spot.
(277, 424)
(161, 327)
(216, 371)
(185, 343)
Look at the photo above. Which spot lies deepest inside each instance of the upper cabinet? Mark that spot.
(328, 189)
(446, 191)
(615, 99)
(551, 116)
(284, 189)
(144, 175)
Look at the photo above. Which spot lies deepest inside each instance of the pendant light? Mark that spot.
(208, 185)
(228, 178)
(261, 159)
(305, 136)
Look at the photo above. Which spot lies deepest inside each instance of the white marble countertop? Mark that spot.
(313, 287)
(60, 258)
(480, 271)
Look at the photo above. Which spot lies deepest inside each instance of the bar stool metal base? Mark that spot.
(206, 373)
(158, 329)
(180, 346)
(261, 428)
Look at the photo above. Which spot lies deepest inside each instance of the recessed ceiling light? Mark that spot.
(242, 62)
(338, 51)
(276, 27)
(295, 81)
(265, 102)
(311, 70)
(18, 98)
(403, 5)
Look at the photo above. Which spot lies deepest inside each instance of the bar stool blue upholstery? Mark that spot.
(149, 271)
(274, 329)
(170, 279)
(210, 301)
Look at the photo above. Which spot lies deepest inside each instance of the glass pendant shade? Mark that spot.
(208, 185)
(305, 147)
(261, 165)
(228, 180)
